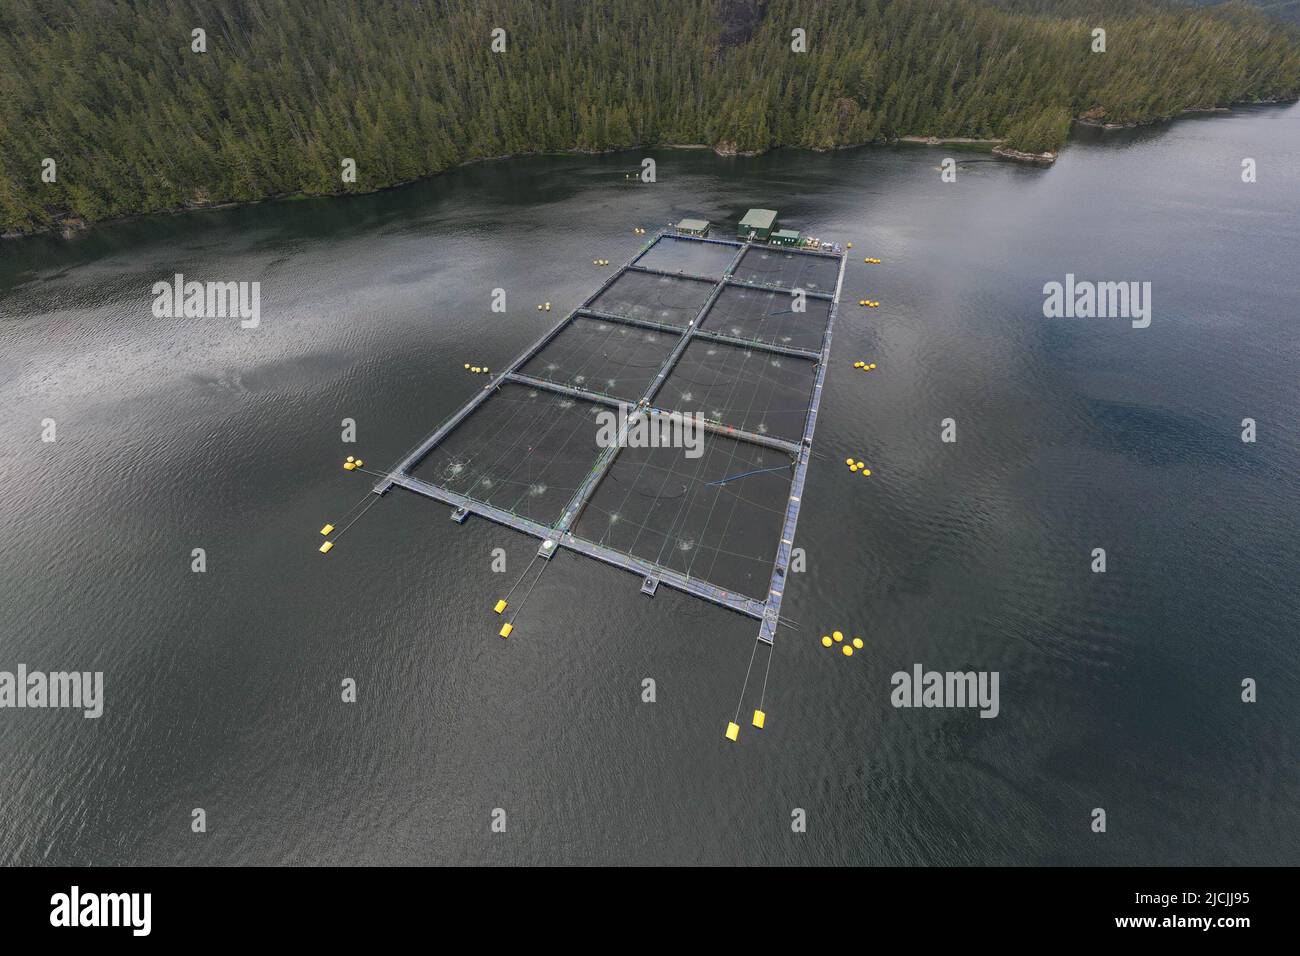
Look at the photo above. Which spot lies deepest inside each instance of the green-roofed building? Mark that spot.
(757, 224)
(693, 227)
(785, 237)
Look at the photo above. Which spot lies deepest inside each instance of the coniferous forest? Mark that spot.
(137, 121)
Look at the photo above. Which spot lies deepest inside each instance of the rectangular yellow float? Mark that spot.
(501, 606)
(325, 548)
(327, 529)
(759, 719)
(506, 629)
(733, 730)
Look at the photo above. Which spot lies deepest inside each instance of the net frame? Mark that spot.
(561, 531)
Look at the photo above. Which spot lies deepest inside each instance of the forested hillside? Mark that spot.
(137, 122)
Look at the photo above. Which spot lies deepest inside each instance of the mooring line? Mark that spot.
(338, 534)
(506, 597)
(771, 652)
(369, 496)
(515, 617)
(740, 703)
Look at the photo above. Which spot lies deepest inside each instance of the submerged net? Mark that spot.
(524, 450)
(754, 391)
(608, 358)
(769, 316)
(690, 256)
(788, 269)
(717, 517)
(667, 300)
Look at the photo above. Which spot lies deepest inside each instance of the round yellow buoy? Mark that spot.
(848, 461)
(848, 651)
(857, 365)
(857, 642)
(850, 245)
(866, 260)
(838, 635)
(350, 458)
(826, 641)
(873, 364)
(360, 463)
(866, 471)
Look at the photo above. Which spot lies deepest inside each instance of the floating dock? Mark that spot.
(737, 333)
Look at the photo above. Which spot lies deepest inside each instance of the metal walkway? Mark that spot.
(767, 611)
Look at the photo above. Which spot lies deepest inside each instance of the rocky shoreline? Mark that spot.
(1045, 158)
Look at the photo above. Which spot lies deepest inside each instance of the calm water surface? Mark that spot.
(1119, 690)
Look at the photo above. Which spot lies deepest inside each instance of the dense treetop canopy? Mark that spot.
(138, 122)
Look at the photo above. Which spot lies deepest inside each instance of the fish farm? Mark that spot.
(735, 334)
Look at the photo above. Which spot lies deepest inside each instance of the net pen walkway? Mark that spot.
(703, 524)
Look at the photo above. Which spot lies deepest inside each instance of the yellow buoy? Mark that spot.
(866, 260)
(359, 462)
(348, 466)
(850, 245)
(506, 629)
(760, 718)
(857, 642)
(501, 606)
(325, 548)
(539, 308)
(327, 529)
(848, 651)
(866, 471)
(838, 635)
(350, 458)
(848, 461)
(733, 730)
(826, 641)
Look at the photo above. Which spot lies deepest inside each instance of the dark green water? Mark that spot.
(1119, 691)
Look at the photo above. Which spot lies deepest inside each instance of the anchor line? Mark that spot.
(741, 702)
(515, 617)
(338, 534)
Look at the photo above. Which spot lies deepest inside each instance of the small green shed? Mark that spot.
(693, 227)
(757, 224)
(785, 237)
